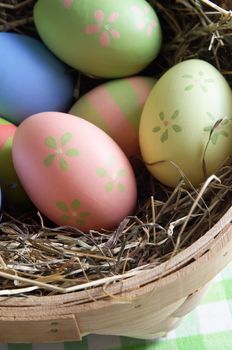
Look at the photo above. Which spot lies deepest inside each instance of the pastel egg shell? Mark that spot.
(74, 173)
(177, 119)
(11, 189)
(32, 79)
(116, 108)
(103, 38)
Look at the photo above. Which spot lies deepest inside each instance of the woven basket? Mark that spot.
(146, 306)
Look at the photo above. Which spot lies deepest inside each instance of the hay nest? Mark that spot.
(40, 259)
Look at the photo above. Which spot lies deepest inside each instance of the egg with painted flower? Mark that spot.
(186, 124)
(103, 38)
(74, 173)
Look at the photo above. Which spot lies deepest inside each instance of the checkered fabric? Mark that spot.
(209, 327)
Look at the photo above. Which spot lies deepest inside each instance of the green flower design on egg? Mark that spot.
(220, 127)
(198, 80)
(167, 125)
(60, 151)
(72, 213)
(117, 182)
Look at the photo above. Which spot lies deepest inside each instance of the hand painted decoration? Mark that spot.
(188, 108)
(104, 38)
(73, 171)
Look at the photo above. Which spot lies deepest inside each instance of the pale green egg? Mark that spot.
(103, 38)
(187, 121)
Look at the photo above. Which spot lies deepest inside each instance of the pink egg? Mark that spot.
(74, 173)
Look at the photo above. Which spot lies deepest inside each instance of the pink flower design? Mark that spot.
(104, 27)
(67, 3)
(144, 21)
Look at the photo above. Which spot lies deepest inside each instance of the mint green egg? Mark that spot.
(104, 38)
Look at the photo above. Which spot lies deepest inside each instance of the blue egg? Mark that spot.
(32, 79)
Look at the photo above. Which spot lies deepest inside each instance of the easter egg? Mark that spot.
(187, 122)
(32, 79)
(12, 192)
(74, 173)
(103, 38)
(116, 108)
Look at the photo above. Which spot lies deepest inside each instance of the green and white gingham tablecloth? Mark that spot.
(209, 327)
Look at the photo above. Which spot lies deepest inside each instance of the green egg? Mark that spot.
(104, 38)
(186, 123)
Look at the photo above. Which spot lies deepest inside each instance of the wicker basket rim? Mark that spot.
(150, 276)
